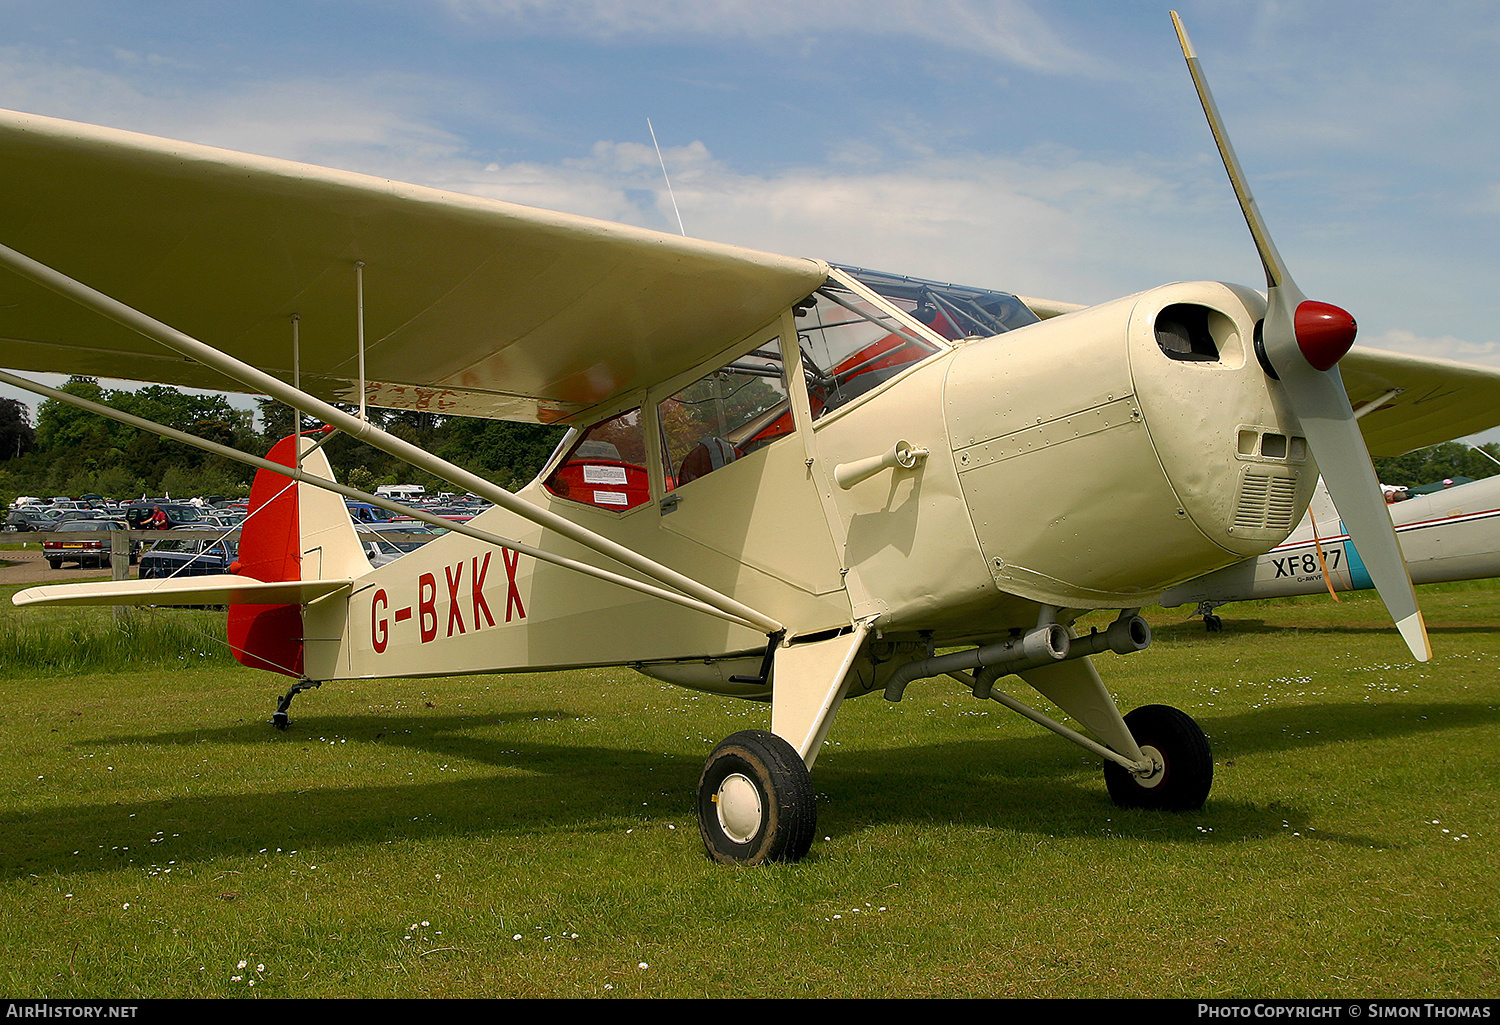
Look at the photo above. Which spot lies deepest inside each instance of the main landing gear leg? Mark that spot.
(279, 717)
(1169, 765)
(755, 796)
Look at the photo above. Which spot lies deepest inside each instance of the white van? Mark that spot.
(401, 492)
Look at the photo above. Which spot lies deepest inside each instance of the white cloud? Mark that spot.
(1442, 347)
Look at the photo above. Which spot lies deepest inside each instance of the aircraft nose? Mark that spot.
(1238, 461)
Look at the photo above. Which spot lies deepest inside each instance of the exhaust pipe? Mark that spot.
(1043, 645)
(1039, 646)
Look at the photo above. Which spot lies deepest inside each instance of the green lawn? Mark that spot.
(533, 835)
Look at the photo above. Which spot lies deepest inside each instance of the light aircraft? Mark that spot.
(1453, 534)
(786, 481)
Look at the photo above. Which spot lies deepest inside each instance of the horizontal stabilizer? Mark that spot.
(223, 589)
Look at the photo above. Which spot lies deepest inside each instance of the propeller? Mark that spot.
(1299, 345)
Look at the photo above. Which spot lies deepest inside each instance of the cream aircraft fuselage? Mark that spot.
(1072, 463)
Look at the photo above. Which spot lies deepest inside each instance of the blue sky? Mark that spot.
(1053, 149)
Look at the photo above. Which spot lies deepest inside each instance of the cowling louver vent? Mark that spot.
(1266, 503)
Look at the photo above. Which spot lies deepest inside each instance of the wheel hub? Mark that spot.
(1158, 770)
(739, 808)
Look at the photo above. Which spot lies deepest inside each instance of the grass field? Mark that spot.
(533, 835)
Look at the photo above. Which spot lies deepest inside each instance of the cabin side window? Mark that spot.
(606, 468)
(725, 416)
(850, 347)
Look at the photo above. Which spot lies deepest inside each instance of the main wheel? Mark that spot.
(756, 801)
(1184, 762)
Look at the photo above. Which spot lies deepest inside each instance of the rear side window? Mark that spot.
(607, 467)
(733, 411)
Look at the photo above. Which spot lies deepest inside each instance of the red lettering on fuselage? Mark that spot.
(455, 615)
(379, 630)
(426, 611)
(512, 593)
(476, 590)
(427, 606)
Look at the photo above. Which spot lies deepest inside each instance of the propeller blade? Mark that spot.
(1322, 408)
(1300, 345)
(1269, 257)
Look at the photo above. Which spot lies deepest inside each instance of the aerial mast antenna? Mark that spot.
(664, 175)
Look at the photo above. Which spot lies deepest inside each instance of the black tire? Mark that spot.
(55, 563)
(1187, 762)
(755, 801)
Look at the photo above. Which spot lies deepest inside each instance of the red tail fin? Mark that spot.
(270, 636)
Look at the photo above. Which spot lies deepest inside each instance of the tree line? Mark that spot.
(72, 452)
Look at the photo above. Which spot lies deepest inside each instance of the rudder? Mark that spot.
(292, 531)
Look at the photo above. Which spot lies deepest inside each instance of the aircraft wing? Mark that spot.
(1434, 400)
(471, 306)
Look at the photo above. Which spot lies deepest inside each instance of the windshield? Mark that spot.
(953, 311)
(850, 346)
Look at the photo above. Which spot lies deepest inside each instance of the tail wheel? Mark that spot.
(756, 801)
(1184, 762)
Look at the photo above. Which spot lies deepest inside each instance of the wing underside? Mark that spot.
(470, 306)
(1415, 402)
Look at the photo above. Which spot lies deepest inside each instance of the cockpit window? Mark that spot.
(725, 416)
(953, 311)
(849, 346)
(607, 467)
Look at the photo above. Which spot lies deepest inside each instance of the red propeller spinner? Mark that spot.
(1324, 332)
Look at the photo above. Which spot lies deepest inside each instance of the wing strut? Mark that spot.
(360, 496)
(259, 381)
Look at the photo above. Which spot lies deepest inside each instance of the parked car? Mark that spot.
(364, 512)
(91, 548)
(380, 549)
(26, 518)
(179, 514)
(427, 531)
(186, 557)
(59, 516)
